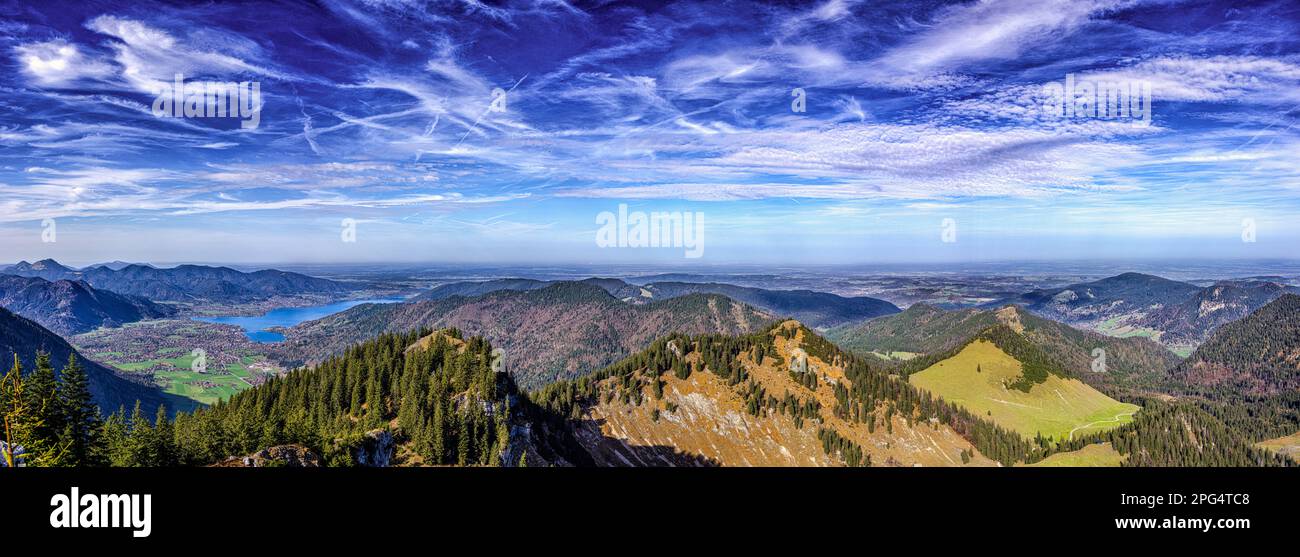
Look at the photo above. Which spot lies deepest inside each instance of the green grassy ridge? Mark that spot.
(1037, 364)
(983, 379)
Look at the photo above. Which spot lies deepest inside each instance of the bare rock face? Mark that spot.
(376, 449)
(289, 456)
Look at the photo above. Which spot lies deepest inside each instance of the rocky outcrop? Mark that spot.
(375, 449)
(287, 456)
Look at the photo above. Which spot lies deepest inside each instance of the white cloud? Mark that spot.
(59, 63)
(148, 57)
(876, 160)
(1212, 78)
(981, 31)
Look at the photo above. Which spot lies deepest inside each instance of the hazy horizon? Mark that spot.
(1174, 268)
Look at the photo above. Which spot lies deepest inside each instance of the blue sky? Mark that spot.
(916, 112)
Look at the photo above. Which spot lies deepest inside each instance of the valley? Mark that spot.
(164, 353)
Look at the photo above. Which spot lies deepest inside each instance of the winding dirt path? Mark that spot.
(1114, 420)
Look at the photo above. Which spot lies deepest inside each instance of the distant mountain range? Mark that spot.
(818, 309)
(559, 330)
(47, 269)
(24, 337)
(70, 307)
(117, 265)
(185, 283)
(1205, 311)
(1106, 298)
(1174, 313)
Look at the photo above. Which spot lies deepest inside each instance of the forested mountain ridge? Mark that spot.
(72, 307)
(925, 329)
(779, 397)
(1258, 354)
(1167, 431)
(1106, 298)
(817, 309)
(1185, 435)
(1176, 314)
(401, 399)
(562, 330)
(854, 405)
(1193, 320)
(416, 398)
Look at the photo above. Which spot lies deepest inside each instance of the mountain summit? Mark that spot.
(71, 307)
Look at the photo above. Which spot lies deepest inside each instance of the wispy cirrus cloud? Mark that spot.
(385, 109)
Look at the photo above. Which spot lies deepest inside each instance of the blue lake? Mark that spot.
(255, 326)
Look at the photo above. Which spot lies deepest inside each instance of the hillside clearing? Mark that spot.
(1095, 455)
(978, 378)
(1289, 445)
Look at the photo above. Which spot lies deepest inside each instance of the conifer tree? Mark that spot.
(163, 450)
(10, 392)
(139, 438)
(24, 423)
(42, 391)
(115, 440)
(81, 423)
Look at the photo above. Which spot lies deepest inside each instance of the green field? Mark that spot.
(1112, 327)
(181, 362)
(896, 355)
(1289, 446)
(207, 388)
(177, 377)
(1095, 455)
(161, 351)
(191, 385)
(977, 378)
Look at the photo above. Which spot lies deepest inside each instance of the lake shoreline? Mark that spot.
(266, 328)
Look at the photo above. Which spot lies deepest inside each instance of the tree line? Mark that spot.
(443, 399)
